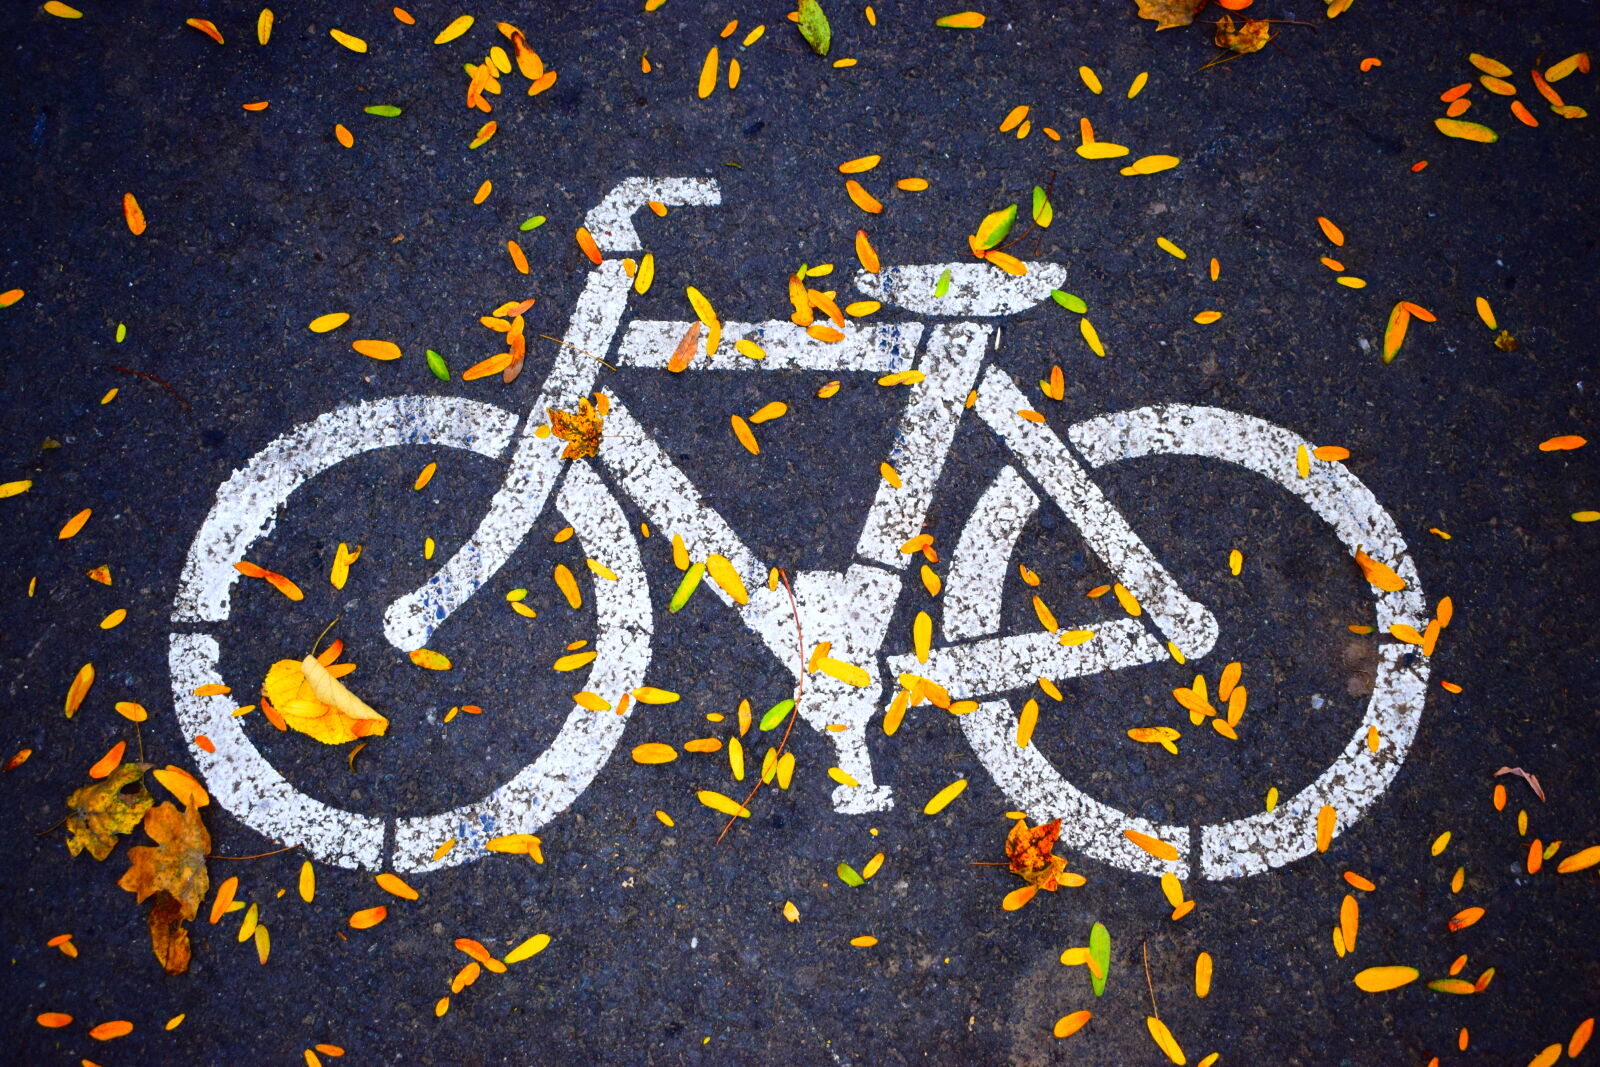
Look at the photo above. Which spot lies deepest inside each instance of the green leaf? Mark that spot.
(993, 229)
(1100, 952)
(776, 714)
(814, 27)
(847, 874)
(943, 285)
(387, 111)
(437, 365)
(532, 222)
(1043, 213)
(686, 588)
(1068, 301)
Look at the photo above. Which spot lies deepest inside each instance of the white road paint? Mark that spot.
(1358, 777)
(849, 609)
(549, 785)
(247, 503)
(246, 509)
(1331, 490)
(649, 344)
(994, 665)
(976, 573)
(241, 780)
(977, 290)
(1033, 785)
(1352, 784)
(1044, 456)
(1258, 843)
(951, 363)
(610, 222)
(412, 619)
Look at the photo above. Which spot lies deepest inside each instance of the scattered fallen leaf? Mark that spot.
(1532, 780)
(313, 702)
(1169, 13)
(1029, 851)
(814, 27)
(1383, 979)
(105, 811)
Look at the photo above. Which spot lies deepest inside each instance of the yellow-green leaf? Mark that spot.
(994, 227)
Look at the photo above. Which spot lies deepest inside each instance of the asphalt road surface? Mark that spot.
(668, 944)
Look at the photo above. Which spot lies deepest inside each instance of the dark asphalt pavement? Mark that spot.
(668, 947)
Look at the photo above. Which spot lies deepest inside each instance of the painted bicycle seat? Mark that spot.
(976, 290)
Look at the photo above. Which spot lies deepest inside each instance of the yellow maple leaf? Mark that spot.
(580, 429)
(174, 872)
(317, 704)
(104, 811)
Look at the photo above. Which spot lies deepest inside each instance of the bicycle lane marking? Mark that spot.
(1257, 843)
(548, 786)
(412, 619)
(976, 578)
(850, 609)
(1352, 784)
(246, 509)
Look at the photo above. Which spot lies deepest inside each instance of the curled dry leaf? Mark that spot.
(313, 702)
(174, 872)
(1532, 780)
(1251, 35)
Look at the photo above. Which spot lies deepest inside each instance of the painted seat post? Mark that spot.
(535, 465)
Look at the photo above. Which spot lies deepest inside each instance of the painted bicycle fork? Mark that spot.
(850, 610)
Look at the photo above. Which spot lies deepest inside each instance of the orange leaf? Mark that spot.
(861, 198)
(74, 524)
(488, 367)
(382, 350)
(866, 253)
(207, 27)
(109, 762)
(225, 893)
(367, 918)
(1158, 848)
(393, 883)
(116, 1027)
(1394, 334)
(1379, 574)
(685, 352)
(133, 213)
(1018, 897)
(586, 242)
(79, 689)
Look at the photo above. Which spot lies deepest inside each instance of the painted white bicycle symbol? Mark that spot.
(851, 609)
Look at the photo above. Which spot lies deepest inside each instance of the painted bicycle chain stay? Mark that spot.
(849, 609)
